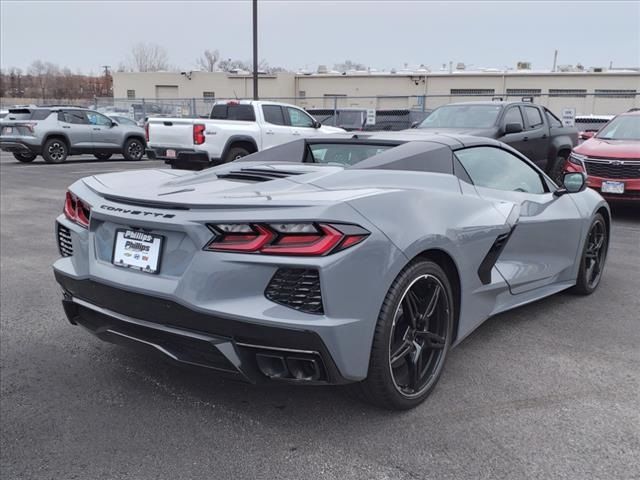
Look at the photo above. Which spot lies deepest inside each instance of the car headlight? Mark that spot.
(577, 159)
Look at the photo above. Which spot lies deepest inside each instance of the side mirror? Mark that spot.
(113, 124)
(512, 128)
(415, 124)
(316, 124)
(572, 182)
(586, 135)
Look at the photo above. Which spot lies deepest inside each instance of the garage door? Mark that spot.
(166, 91)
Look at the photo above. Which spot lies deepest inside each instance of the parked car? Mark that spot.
(57, 132)
(234, 129)
(588, 125)
(122, 119)
(529, 128)
(281, 267)
(611, 158)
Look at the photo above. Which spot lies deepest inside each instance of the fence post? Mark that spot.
(95, 103)
(193, 109)
(144, 111)
(335, 111)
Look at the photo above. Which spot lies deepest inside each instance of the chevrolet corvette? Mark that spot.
(355, 260)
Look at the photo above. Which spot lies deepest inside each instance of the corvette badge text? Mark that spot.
(136, 212)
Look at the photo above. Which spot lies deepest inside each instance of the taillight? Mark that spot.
(198, 134)
(76, 210)
(306, 239)
(146, 131)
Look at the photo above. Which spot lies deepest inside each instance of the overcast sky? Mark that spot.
(297, 34)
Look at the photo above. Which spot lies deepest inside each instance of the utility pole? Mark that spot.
(255, 49)
(106, 79)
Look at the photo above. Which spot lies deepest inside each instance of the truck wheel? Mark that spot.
(133, 149)
(235, 153)
(102, 156)
(25, 157)
(55, 151)
(556, 169)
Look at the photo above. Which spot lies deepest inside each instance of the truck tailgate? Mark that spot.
(171, 132)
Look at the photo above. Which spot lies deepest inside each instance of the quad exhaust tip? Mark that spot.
(281, 367)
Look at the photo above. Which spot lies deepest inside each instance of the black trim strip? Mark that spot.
(490, 259)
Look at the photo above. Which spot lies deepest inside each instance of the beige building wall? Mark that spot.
(389, 90)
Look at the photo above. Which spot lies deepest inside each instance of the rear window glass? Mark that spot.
(344, 153)
(26, 114)
(233, 112)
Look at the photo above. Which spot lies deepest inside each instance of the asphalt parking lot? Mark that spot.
(551, 390)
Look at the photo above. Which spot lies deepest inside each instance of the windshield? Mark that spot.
(626, 127)
(350, 118)
(462, 116)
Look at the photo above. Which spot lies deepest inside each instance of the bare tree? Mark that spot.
(149, 57)
(207, 62)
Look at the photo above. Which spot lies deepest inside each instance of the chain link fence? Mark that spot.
(379, 112)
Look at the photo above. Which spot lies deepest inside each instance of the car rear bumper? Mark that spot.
(243, 350)
(184, 159)
(17, 146)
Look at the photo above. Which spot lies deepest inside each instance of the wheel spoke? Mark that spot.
(401, 352)
(433, 303)
(414, 366)
(410, 308)
(432, 341)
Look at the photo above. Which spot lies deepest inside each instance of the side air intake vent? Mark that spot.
(65, 245)
(490, 259)
(257, 174)
(296, 288)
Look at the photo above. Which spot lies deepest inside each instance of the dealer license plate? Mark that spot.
(612, 187)
(170, 153)
(7, 130)
(137, 250)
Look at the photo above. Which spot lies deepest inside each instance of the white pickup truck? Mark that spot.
(234, 129)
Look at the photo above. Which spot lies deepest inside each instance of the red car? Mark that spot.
(611, 158)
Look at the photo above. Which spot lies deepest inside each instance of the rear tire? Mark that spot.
(55, 150)
(236, 153)
(102, 156)
(556, 169)
(406, 362)
(133, 149)
(25, 157)
(594, 255)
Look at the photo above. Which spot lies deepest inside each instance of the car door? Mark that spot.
(543, 244)
(276, 130)
(302, 124)
(518, 140)
(75, 125)
(537, 136)
(105, 134)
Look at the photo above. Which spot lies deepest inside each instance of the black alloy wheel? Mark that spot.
(593, 257)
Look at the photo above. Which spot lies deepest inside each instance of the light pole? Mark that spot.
(255, 49)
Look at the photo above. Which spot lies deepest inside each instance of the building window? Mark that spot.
(209, 97)
(472, 91)
(523, 92)
(131, 94)
(616, 93)
(567, 92)
(302, 93)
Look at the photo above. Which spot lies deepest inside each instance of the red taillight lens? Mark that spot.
(76, 210)
(146, 131)
(198, 134)
(305, 239)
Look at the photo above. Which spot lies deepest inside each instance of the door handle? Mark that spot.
(296, 133)
(524, 139)
(66, 126)
(269, 132)
(96, 129)
(544, 136)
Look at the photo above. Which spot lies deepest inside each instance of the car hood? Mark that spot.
(476, 132)
(621, 149)
(329, 129)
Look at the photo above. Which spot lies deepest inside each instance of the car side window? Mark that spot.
(273, 114)
(533, 117)
(553, 120)
(75, 117)
(513, 115)
(492, 167)
(297, 118)
(97, 119)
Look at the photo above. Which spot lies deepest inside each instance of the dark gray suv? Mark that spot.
(56, 133)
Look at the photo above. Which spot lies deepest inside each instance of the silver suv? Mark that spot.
(57, 132)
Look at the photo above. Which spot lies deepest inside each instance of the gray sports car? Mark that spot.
(326, 261)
